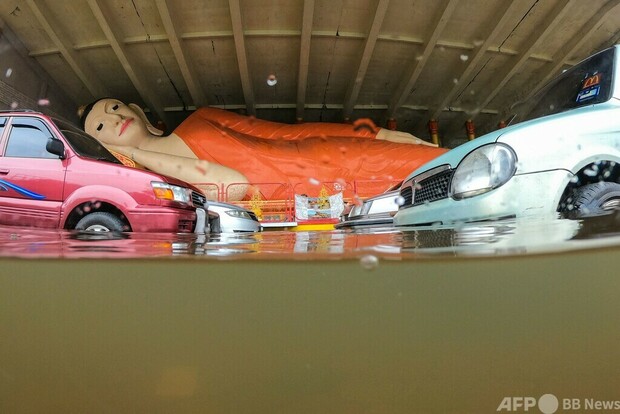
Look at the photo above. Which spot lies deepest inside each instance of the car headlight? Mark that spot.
(238, 214)
(482, 170)
(165, 191)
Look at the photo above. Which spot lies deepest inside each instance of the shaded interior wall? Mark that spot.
(25, 85)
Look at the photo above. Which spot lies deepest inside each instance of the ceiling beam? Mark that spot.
(150, 98)
(242, 58)
(79, 67)
(321, 106)
(369, 46)
(304, 57)
(405, 86)
(136, 40)
(570, 47)
(501, 19)
(191, 80)
(542, 30)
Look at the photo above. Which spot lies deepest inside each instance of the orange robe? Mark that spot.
(302, 155)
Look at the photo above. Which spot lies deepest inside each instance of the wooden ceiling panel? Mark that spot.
(470, 22)
(472, 93)
(164, 76)
(343, 17)
(106, 67)
(215, 63)
(260, 17)
(331, 65)
(277, 56)
(437, 78)
(604, 31)
(56, 68)
(133, 19)
(202, 18)
(19, 17)
(72, 19)
(528, 18)
(577, 13)
(518, 87)
(387, 67)
(410, 20)
(413, 120)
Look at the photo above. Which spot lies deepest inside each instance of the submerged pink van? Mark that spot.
(54, 175)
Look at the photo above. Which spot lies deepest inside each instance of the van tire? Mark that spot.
(595, 199)
(100, 221)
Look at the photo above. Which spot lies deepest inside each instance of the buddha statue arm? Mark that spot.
(401, 137)
(191, 170)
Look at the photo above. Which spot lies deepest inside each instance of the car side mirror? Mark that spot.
(56, 147)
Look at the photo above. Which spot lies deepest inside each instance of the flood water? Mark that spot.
(498, 238)
(382, 320)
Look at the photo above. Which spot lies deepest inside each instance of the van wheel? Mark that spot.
(100, 221)
(595, 199)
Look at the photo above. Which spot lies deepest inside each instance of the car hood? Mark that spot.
(169, 180)
(180, 183)
(576, 125)
(455, 155)
(226, 206)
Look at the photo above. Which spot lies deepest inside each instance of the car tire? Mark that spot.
(595, 199)
(100, 221)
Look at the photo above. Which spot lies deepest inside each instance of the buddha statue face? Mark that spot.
(112, 122)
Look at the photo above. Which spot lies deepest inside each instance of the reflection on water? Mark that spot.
(491, 238)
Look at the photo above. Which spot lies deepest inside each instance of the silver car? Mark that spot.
(374, 211)
(229, 218)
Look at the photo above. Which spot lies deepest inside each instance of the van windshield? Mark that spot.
(83, 144)
(587, 83)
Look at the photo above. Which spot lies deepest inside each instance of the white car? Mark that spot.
(561, 160)
(230, 218)
(374, 211)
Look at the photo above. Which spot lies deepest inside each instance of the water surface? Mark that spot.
(498, 238)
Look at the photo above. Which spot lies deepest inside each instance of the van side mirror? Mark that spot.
(56, 147)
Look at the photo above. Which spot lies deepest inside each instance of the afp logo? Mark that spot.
(547, 404)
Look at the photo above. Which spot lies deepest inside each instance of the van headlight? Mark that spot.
(165, 191)
(483, 170)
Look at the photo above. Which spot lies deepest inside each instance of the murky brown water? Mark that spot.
(371, 321)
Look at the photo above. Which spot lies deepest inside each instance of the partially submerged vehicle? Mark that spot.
(560, 158)
(54, 175)
(377, 211)
(230, 218)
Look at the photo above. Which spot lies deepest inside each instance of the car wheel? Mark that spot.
(595, 199)
(100, 221)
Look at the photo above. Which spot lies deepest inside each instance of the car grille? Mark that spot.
(407, 194)
(198, 199)
(428, 187)
(252, 215)
(433, 188)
